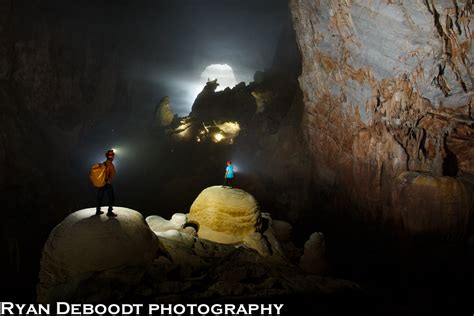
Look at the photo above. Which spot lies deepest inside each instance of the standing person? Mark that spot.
(229, 174)
(109, 175)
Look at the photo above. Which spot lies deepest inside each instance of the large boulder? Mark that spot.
(85, 245)
(429, 204)
(228, 216)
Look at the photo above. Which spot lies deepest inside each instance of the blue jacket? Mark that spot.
(229, 171)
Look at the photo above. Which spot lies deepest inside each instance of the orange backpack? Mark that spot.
(98, 175)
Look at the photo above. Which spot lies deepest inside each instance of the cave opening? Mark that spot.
(222, 72)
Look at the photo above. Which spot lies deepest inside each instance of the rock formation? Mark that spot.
(200, 269)
(90, 258)
(234, 104)
(159, 224)
(163, 114)
(313, 259)
(228, 216)
(84, 244)
(433, 204)
(387, 89)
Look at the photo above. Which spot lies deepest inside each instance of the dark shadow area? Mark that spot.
(450, 164)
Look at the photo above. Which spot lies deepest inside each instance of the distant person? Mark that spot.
(109, 175)
(229, 174)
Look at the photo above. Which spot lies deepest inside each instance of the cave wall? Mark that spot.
(388, 116)
(58, 76)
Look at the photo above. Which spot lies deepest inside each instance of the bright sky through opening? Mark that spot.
(222, 72)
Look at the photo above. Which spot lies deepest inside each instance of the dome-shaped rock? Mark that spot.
(85, 243)
(225, 215)
(430, 204)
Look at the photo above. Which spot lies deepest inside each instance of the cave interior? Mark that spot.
(348, 121)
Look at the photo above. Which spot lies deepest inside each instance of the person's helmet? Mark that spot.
(109, 153)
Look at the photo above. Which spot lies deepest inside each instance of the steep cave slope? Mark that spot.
(388, 109)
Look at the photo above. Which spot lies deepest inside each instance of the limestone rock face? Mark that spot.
(387, 88)
(225, 215)
(84, 244)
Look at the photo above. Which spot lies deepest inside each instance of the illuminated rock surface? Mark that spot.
(88, 258)
(228, 216)
(387, 88)
(163, 114)
(84, 244)
(159, 224)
